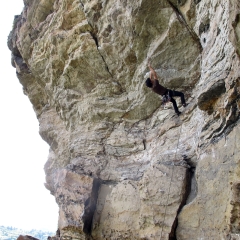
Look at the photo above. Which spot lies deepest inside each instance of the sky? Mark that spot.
(24, 201)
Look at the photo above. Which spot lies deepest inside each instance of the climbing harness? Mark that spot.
(170, 183)
(166, 98)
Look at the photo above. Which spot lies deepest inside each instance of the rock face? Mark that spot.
(120, 166)
(21, 237)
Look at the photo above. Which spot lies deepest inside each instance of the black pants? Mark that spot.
(172, 94)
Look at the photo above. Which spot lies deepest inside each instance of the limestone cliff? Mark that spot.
(120, 166)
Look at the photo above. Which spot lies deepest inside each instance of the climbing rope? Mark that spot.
(170, 183)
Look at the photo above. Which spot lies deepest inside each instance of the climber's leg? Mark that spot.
(172, 100)
(180, 94)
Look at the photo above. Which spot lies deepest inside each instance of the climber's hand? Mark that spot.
(149, 62)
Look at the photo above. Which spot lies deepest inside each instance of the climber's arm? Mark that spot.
(153, 74)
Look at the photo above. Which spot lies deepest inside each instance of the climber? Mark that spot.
(167, 94)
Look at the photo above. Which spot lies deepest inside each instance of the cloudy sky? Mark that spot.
(24, 201)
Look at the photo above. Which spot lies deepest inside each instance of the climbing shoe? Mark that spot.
(185, 104)
(178, 113)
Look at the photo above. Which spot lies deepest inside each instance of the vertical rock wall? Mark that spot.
(120, 166)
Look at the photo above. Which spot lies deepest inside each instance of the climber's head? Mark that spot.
(149, 83)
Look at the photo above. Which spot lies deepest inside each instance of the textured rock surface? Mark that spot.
(120, 166)
(21, 237)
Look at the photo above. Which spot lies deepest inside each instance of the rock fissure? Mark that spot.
(97, 45)
(185, 196)
(96, 41)
(184, 22)
(90, 207)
